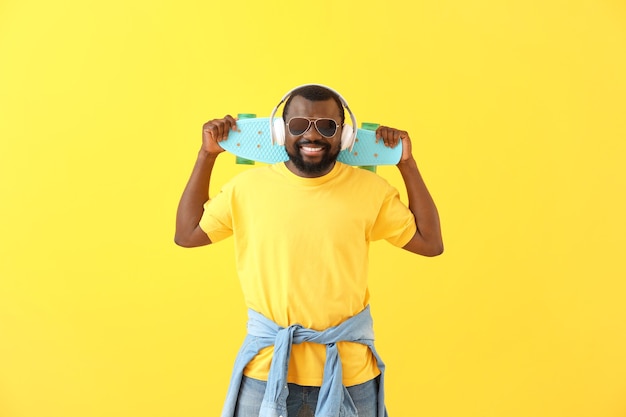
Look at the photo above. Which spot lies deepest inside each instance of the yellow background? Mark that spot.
(517, 113)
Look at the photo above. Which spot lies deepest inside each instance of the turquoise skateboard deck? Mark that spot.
(252, 140)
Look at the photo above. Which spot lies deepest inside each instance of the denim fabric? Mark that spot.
(302, 400)
(334, 400)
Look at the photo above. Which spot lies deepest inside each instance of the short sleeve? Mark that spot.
(217, 221)
(395, 222)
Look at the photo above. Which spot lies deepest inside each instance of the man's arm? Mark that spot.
(196, 193)
(427, 240)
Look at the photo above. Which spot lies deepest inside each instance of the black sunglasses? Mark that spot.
(300, 125)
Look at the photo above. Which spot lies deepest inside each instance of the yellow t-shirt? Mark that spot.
(302, 254)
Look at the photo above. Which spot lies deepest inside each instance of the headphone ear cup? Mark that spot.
(278, 131)
(346, 136)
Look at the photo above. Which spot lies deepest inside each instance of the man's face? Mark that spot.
(311, 154)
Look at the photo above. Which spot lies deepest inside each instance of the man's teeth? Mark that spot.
(311, 149)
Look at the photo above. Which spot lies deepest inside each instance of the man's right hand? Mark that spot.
(215, 131)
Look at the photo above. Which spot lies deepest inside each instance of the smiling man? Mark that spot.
(315, 150)
(302, 231)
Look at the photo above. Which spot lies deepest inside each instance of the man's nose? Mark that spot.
(312, 133)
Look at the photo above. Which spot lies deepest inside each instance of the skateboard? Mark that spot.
(252, 141)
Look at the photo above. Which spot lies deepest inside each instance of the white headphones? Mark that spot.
(277, 127)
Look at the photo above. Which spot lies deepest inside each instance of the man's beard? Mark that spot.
(319, 168)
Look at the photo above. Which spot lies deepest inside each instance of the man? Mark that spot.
(302, 230)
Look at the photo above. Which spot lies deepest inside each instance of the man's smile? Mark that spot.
(312, 148)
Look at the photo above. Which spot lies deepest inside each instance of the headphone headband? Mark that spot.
(347, 141)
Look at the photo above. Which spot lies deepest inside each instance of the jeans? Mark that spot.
(302, 400)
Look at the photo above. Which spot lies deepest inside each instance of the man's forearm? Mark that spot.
(191, 205)
(427, 240)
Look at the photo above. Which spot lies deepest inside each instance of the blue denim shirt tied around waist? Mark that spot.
(334, 399)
